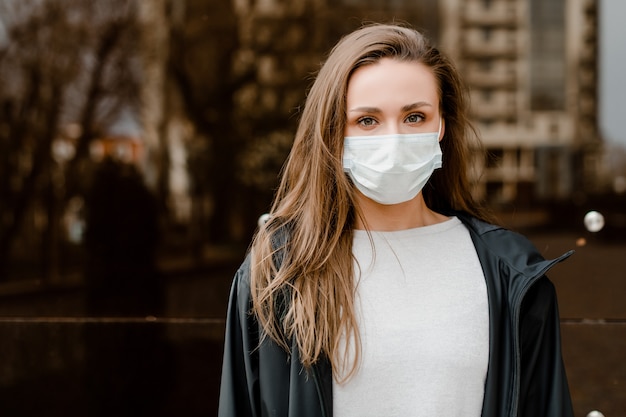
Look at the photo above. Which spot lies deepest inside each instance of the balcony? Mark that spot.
(486, 74)
(499, 13)
(488, 42)
(493, 105)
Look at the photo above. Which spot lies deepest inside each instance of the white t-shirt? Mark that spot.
(424, 324)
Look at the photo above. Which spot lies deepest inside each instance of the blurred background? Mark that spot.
(140, 140)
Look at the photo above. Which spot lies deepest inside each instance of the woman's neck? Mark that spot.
(408, 215)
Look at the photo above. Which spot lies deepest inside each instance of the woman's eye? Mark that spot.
(366, 121)
(414, 118)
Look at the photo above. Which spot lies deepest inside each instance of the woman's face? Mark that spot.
(392, 97)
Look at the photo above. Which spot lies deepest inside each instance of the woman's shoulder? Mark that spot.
(509, 247)
(277, 243)
(241, 281)
(498, 245)
(497, 237)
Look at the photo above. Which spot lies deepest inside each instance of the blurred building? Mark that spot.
(531, 66)
(242, 67)
(532, 70)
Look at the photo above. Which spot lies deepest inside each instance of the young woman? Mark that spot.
(378, 287)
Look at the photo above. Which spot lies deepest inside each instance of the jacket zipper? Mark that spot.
(516, 318)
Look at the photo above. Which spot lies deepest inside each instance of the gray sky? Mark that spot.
(612, 91)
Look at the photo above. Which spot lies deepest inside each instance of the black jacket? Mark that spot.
(525, 376)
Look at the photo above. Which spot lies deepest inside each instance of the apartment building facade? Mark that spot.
(532, 68)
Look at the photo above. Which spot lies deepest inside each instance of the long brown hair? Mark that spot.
(302, 275)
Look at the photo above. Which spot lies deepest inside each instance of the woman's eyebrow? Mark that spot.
(405, 108)
(416, 105)
(366, 110)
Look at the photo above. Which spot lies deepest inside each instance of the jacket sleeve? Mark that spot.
(544, 390)
(239, 383)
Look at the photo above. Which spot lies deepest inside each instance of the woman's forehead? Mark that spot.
(392, 80)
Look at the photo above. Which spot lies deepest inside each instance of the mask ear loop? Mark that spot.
(439, 130)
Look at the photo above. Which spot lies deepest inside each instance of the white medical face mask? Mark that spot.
(391, 169)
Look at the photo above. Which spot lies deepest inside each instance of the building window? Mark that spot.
(494, 191)
(487, 33)
(486, 64)
(494, 157)
(547, 54)
(487, 123)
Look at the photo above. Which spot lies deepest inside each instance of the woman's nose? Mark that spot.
(392, 129)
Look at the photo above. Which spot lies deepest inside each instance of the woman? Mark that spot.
(377, 287)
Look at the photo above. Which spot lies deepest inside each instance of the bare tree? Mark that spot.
(202, 47)
(61, 62)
